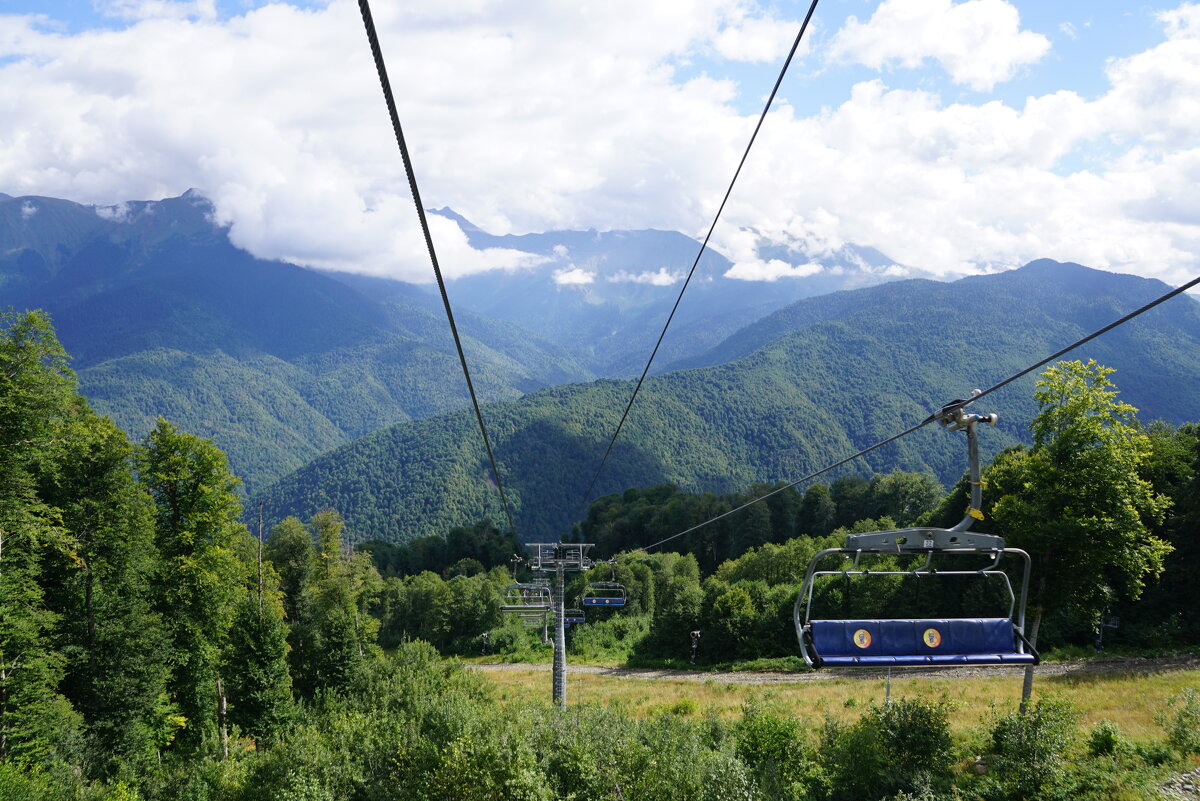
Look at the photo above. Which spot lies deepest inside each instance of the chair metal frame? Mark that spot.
(956, 541)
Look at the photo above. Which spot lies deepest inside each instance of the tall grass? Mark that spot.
(1131, 701)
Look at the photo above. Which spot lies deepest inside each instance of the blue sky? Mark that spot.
(956, 136)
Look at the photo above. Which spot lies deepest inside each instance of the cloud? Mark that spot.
(762, 39)
(660, 277)
(277, 116)
(771, 270)
(157, 9)
(978, 42)
(609, 116)
(576, 276)
(28, 209)
(115, 213)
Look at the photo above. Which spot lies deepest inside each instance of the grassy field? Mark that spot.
(1130, 701)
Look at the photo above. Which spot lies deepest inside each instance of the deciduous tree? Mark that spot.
(1077, 500)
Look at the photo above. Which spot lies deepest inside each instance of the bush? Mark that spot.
(614, 638)
(1181, 719)
(904, 746)
(17, 785)
(1029, 747)
(1105, 740)
(773, 748)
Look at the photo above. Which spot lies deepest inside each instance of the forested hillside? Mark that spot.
(152, 650)
(826, 378)
(164, 316)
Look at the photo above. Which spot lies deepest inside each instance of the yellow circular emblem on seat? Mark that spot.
(862, 638)
(932, 637)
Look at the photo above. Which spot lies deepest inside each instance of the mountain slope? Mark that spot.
(164, 316)
(823, 379)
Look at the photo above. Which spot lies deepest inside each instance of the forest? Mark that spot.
(152, 646)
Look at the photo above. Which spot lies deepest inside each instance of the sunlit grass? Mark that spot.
(1129, 700)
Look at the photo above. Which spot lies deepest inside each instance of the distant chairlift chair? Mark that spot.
(525, 597)
(604, 593)
(921, 642)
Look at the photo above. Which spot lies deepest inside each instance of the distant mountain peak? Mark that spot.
(450, 214)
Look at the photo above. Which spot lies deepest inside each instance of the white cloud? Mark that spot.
(576, 276)
(660, 277)
(116, 213)
(276, 115)
(157, 9)
(583, 119)
(771, 270)
(28, 210)
(978, 42)
(762, 39)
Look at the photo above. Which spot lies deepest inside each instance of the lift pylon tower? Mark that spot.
(554, 560)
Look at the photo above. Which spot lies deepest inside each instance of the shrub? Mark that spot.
(17, 785)
(1181, 719)
(773, 748)
(1106, 739)
(901, 747)
(1029, 747)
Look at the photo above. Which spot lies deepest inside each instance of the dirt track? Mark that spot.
(1090, 667)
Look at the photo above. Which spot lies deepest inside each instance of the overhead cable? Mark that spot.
(365, 7)
(946, 410)
(703, 246)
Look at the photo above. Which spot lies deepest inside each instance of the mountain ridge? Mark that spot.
(276, 362)
(807, 397)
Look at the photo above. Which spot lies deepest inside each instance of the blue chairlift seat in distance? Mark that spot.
(603, 593)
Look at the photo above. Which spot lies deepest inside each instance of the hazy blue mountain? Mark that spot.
(813, 383)
(164, 316)
(612, 321)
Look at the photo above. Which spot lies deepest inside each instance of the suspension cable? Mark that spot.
(945, 411)
(365, 7)
(703, 246)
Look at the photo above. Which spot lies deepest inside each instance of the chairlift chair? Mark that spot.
(525, 596)
(531, 620)
(604, 593)
(932, 642)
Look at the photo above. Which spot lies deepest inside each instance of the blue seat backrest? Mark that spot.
(913, 637)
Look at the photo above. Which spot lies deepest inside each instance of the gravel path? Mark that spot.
(1090, 667)
(1185, 786)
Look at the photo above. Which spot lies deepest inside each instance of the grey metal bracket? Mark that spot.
(920, 540)
(551, 556)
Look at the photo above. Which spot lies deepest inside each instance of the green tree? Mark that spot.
(202, 578)
(328, 595)
(114, 640)
(289, 549)
(904, 497)
(1077, 501)
(37, 401)
(260, 686)
(818, 513)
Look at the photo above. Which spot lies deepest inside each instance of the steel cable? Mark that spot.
(948, 408)
(365, 7)
(703, 246)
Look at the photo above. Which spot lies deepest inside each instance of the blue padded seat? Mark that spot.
(603, 601)
(901, 643)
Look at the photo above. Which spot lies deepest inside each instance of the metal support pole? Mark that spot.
(560, 642)
(887, 698)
